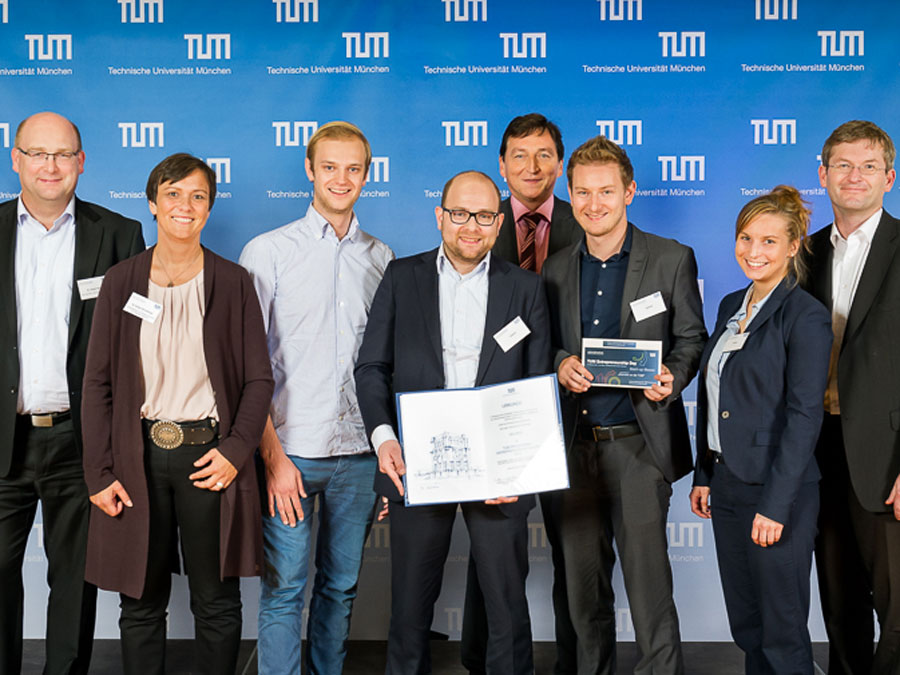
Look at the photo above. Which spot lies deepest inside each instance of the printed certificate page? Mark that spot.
(475, 444)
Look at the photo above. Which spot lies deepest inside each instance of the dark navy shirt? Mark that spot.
(602, 284)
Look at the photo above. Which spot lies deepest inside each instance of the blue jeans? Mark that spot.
(343, 486)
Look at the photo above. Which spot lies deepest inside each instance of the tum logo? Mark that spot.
(471, 131)
(454, 618)
(379, 536)
(842, 43)
(4, 133)
(151, 134)
(379, 170)
(464, 10)
(621, 10)
(774, 132)
(688, 535)
(623, 132)
(682, 168)
(623, 620)
(537, 535)
(768, 10)
(367, 45)
(58, 47)
(222, 167)
(685, 43)
(218, 46)
(289, 133)
(4, 12)
(288, 11)
(142, 11)
(524, 45)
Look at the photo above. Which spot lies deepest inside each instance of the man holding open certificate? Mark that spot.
(456, 318)
(626, 318)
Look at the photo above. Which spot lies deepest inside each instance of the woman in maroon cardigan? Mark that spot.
(176, 392)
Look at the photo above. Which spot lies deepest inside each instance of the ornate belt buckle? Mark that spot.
(167, 435)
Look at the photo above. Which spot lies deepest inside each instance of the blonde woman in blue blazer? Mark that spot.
(760, 398)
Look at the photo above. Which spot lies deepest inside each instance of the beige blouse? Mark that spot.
(176, 381)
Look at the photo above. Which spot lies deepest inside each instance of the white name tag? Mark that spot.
(142, 308)
(735, 342)
(89, 289)
(511, 334)
(649, 305)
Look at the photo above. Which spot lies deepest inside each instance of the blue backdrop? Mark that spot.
(714, 102)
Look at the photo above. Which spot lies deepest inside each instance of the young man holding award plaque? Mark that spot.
(627, 445)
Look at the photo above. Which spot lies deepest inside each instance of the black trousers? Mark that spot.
(618, 494)
(179, 508)
(766, 589)
(420, 542)
(47, 468)
(474, 631)
(858, 563)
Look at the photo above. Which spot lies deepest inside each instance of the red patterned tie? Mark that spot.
(528, 259)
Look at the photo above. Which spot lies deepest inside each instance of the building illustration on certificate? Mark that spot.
(451, 457)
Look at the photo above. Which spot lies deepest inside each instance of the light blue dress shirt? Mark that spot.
(463, 310)
(315, 291)
(44, 272)
(717, 360)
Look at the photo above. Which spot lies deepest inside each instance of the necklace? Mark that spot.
(165, 269)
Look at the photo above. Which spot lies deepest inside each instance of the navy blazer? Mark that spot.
(401, 349)
(771, 396)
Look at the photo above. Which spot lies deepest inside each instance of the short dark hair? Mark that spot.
(176, 167)
(858, 130)
(532, 123)
(449, 183)
(601, 150)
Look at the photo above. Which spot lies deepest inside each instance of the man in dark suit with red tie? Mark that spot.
(56, 249)
(855, 272)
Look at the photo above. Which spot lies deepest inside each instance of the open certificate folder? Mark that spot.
(499, 440)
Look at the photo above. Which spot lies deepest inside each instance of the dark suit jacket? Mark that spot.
(234, 344)
(654, 264)
(869, 363)
(772, 391)
(102, 238)
(401, 349)
(564, 230)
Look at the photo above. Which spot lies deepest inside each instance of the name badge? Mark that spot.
(512, 334)
(89, 289)
(143, 308)
(649, 305)
(735, 342)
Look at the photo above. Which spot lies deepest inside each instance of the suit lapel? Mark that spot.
(427, 287)
(637, 262)
(8, 246)
(88, 235)
(881, 255)
(499, 299)
(820, 266)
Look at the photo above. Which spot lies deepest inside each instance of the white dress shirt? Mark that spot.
(44, 272)
(849, 260)
(315, 291)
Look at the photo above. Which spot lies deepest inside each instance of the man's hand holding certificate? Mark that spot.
(477, 444)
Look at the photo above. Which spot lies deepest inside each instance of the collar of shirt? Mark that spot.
(444, 266)
(23, 216)
(625, 250)
(866, 231)
(519, 209)
(320, 227)
(742, 310)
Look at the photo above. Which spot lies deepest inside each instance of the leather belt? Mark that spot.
(613, 432)
(170, 435)
(47, 419)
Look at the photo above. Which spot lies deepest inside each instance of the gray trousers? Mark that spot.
(618, 494)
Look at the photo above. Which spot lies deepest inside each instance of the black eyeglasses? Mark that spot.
(41, 157)
(461, 216)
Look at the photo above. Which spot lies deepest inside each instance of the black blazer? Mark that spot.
(869, 363)
(770, 396)
(564, 230)
(401, 349)
(654, 264)
(102, 238)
